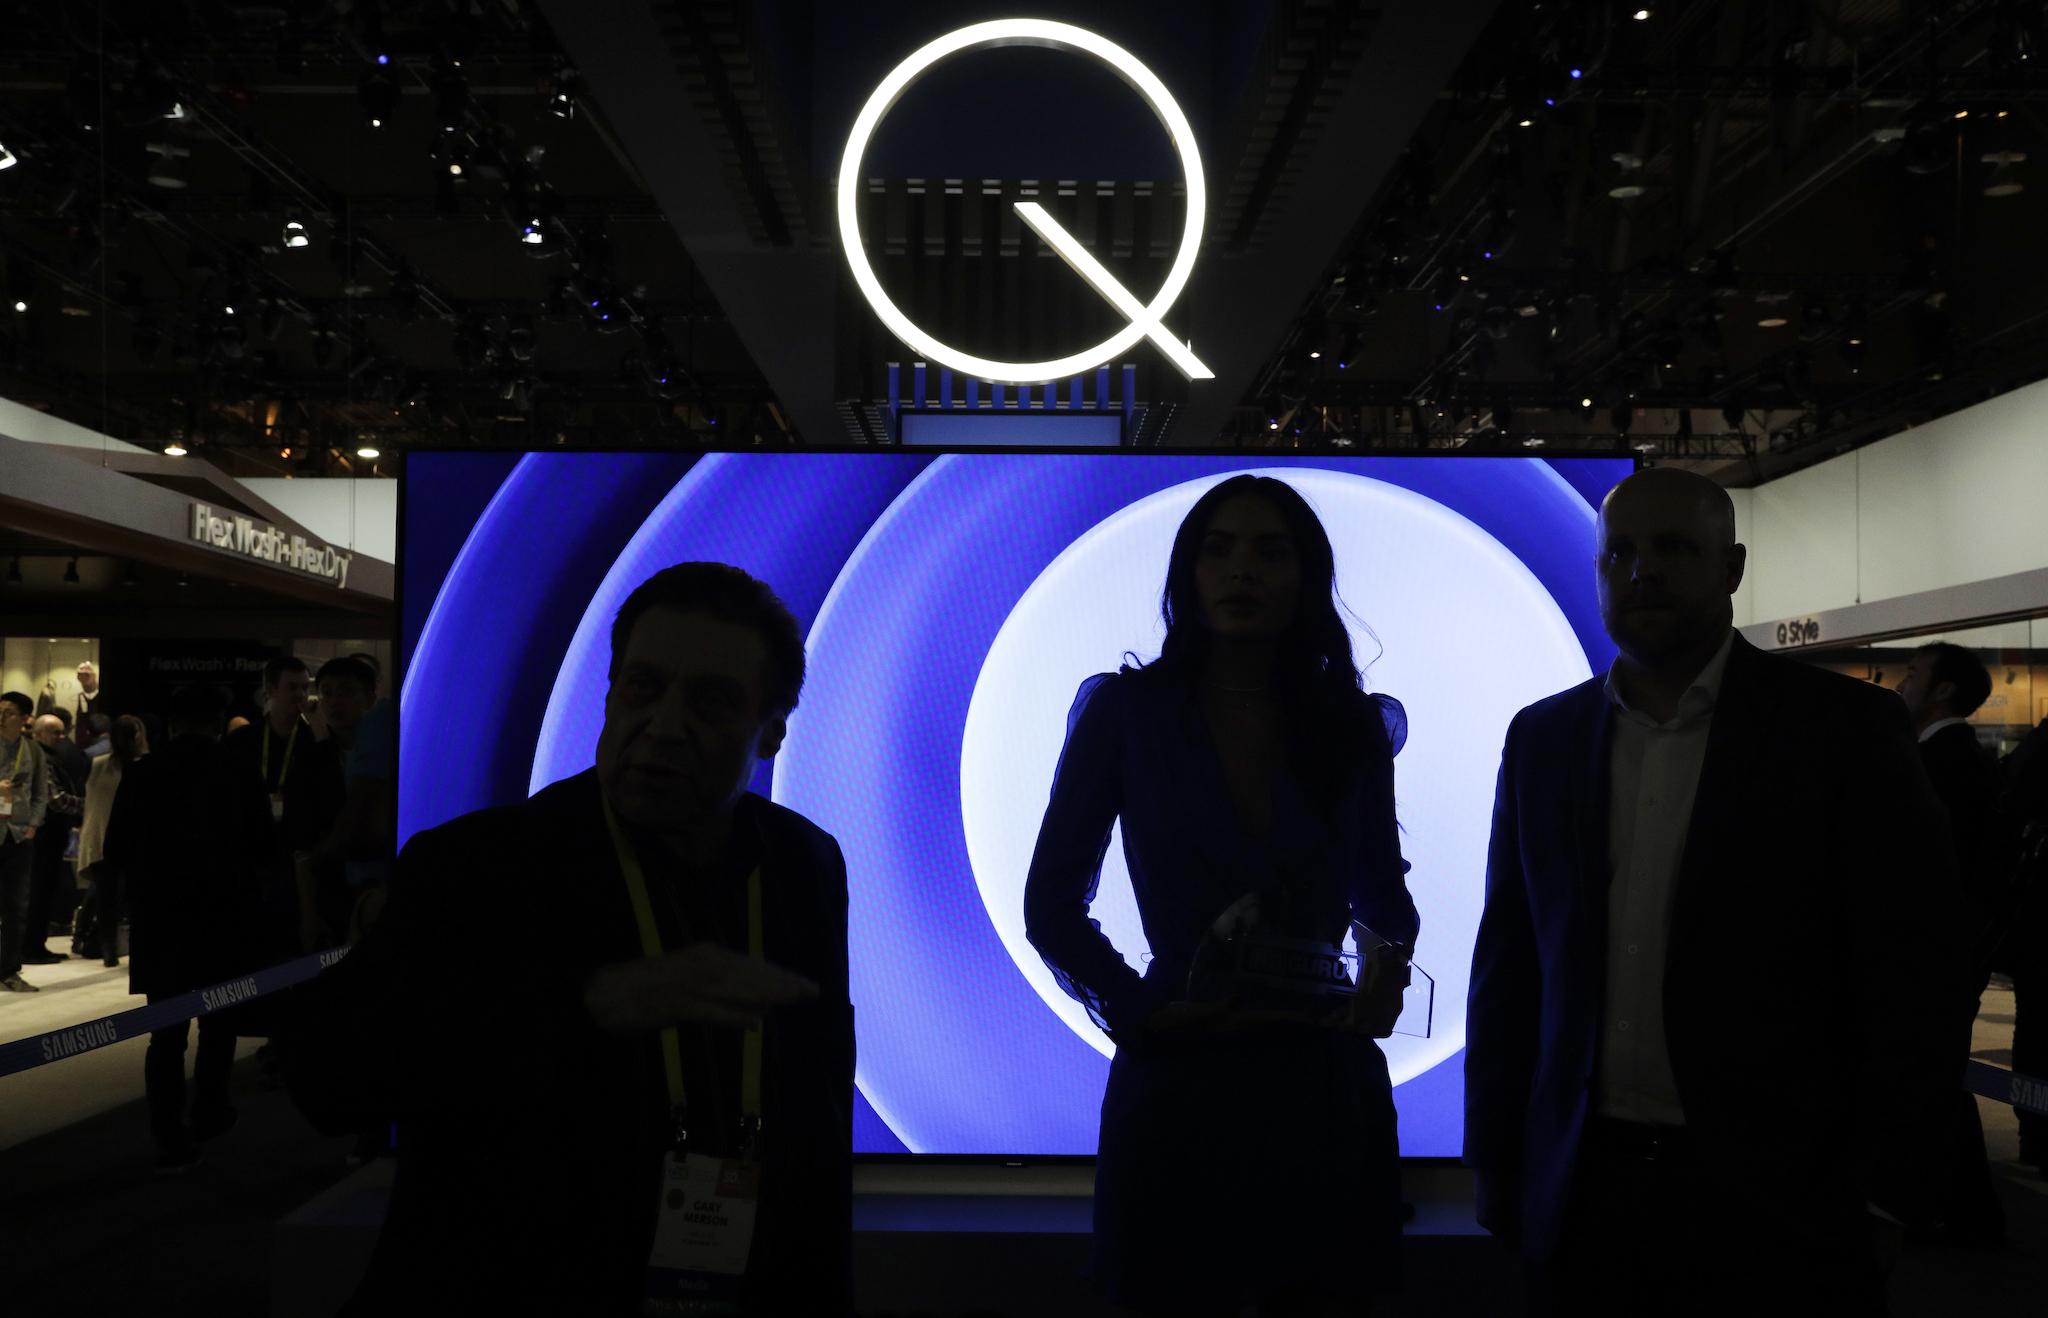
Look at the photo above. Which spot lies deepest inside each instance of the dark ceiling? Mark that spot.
(1478, 223)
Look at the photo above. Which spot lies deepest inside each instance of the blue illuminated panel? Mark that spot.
(952, 604)
(1016, 429)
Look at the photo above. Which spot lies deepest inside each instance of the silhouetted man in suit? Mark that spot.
(1943, 685)
(539, 1097)
(1702, 947)
(190, 832)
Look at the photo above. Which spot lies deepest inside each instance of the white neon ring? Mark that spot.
(1019, 32)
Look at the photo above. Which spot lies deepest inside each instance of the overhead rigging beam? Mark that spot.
(1244, 303)
(780, 300)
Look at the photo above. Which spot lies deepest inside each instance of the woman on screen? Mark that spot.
(1248, 1159)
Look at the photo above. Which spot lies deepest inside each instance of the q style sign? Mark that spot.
(1145, 319)
(1798, 631)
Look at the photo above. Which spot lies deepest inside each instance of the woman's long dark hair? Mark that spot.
(1315, 675)
(124, 736)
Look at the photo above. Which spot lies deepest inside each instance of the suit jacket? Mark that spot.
(312, 789)
(100, 786)
(1801, 987)
(530, 1142)
(32, 787)
(1965, 777)
(190, 831)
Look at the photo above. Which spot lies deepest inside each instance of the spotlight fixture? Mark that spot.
(8, 160)
(21, 305)
(71, 571)
(368, 454)
(534, 234)
(168, 172)
(1586, 403)
(1315, 354)
(1962, 114)
(1642, 15)
(1626, 191)
(295, 235)
(562, 91)
(377, 94)
(1273, 423)
(175, 449)
(1772, 321)
(2004, 180)
(451, 96)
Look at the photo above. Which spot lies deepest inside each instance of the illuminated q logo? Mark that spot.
(1145, 319)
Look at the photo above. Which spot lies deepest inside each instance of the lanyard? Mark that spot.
(20, 754)
(650, 945)
(285, 770)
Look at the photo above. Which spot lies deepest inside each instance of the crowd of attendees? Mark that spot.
(196, 846)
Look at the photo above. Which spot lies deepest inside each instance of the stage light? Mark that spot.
(8, 160)
(377, 95)
(1642, 15)
(533, 235)
(368, 454)
(21, 304)
(1586, 403)
(1626, 191)
(295, 235)
(451, 97)
(1578, 73)
(1772, 321)
(383, 60)
(562, 92)
(2004, 180)
(167, 172)
(1962, 114)
(175, 449)
(1315, 354)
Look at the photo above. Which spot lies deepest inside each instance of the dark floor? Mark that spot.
(87, 1230)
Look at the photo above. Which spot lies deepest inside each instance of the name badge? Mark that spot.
(6, 809)
(704, 1234)
(277, 805)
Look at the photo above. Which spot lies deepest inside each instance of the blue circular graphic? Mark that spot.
(903, 568)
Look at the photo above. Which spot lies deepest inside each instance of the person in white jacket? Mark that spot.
(130, 743)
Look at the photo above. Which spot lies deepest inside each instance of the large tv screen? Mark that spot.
(952, 604)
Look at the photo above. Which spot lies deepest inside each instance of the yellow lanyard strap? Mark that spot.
(285, 770)
(650, 946)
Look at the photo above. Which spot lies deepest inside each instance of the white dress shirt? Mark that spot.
(1655, 772)
(1927, 733)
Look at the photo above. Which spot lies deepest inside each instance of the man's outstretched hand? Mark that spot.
(702, 984)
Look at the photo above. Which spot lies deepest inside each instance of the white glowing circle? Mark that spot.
(1471, 637)
(1145, 320)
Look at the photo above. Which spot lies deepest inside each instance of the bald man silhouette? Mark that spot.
(1704, 1034)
